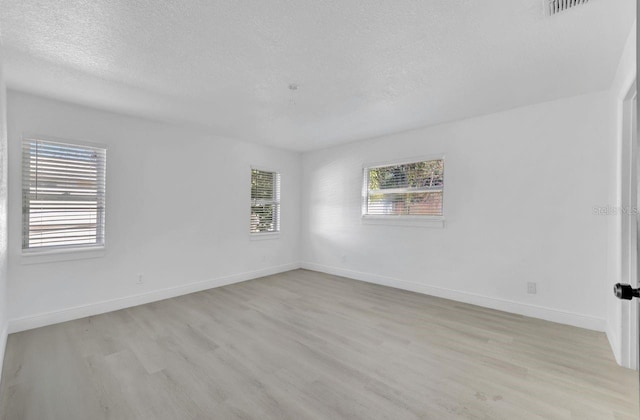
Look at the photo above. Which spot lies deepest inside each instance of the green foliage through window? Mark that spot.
(406, 189)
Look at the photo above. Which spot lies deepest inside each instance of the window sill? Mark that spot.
(55, 255)
(264, 236)
(409, 221)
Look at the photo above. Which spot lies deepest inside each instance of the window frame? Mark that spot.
(257, 236)
(61, 252)
(400, 219)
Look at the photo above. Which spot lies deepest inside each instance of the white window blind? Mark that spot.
(63, 195)
(407, 189)
(265, 201)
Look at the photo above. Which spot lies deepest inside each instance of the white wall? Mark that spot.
(520, 188)
(3, 214)
(621, 316)
(177, 211)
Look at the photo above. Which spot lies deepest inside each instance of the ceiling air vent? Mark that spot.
(556, 6)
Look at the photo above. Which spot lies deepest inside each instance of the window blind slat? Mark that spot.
(412, 189)
(48, 197)
(265, 201)
(63, 187)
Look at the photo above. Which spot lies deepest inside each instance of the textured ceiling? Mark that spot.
(364, 68)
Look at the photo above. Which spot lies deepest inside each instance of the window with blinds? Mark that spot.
(63, 195)
(265, 201)
(407, 189)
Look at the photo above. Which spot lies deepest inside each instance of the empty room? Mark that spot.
(282, 209)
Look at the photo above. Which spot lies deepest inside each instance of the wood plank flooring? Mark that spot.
(305, 345)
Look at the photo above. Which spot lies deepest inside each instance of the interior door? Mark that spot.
(632, 291)
(636, 303)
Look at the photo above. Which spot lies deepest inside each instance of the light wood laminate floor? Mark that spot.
(305, 345)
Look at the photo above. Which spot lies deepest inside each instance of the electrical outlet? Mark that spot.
(532, 288)
(140, 279)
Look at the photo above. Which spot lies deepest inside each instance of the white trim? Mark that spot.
(61, 254)
(275, 234)
(367, 166)
(261, 236)
(624, 343)
(409, 221)
(96, 308)
(534, 311)
(614, 342)
(50, 254)
(631, 337)
(34, 136)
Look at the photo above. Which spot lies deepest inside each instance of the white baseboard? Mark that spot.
(81, 311)
(534, 311)
(3, 347)
(614, 342)
(96, 308)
